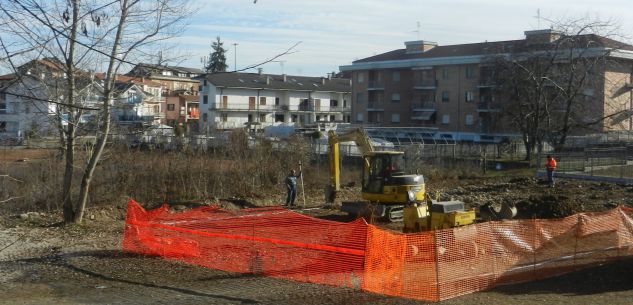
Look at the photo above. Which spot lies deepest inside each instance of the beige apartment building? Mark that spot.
(449, 88)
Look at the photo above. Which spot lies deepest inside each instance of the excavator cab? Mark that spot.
(381, 169)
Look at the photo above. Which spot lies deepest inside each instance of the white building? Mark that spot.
(254, 100)
(24, 108)
(136, 106)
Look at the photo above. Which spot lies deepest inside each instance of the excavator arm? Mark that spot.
(363, 142)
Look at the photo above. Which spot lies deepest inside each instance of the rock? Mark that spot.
(24, 216)
(179, 207)
(92, 217)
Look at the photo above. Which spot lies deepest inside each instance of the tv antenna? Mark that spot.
(538, 18)
(418, 29)
(281, 64)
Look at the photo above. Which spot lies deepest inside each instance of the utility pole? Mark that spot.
(235, 57)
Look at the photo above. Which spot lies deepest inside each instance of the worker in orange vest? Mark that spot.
(550, 166)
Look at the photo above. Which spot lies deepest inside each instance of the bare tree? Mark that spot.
(554, 81)
(82, 36)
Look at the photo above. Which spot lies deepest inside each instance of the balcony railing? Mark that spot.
(487, 82)
(488, 106)
(423, 106)
(375, 84)
(375, 106)
(137, 118)
(425, 84)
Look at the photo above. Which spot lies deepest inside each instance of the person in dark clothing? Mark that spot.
(291, 185)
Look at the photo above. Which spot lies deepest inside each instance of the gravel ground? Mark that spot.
(42, 262)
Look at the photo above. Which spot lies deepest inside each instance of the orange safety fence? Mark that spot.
(429, 266)
(266, 241)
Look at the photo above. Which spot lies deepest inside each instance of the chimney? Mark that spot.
(322, 80)
(541, 36)
(330, 75)
(419, 46)
(260, 70)
(267, 80)
(283, 76)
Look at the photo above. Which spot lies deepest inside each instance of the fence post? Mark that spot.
(534, 247)
(437, 265)
(578, 221)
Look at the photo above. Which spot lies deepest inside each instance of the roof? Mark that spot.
(276, 82)
(173, 68)
(489, 48)
(131, 79)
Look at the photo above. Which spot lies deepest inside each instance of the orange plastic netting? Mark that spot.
(428, 266)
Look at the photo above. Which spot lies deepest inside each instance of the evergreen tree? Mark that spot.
(217, 59)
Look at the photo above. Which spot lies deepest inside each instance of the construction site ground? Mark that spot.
(43, 262)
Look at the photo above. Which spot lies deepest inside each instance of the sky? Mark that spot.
(334, 33)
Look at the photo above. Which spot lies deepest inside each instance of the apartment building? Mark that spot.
(172, 78)
(256, 100)
(183, 110)
(450, 88)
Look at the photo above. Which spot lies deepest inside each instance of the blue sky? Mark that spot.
(334, 33)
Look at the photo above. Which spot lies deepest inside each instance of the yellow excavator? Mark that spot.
(388, 192)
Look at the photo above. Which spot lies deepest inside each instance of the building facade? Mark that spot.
(182, 111)
(451, 88)
(255, 100)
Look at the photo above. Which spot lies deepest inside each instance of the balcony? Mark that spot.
(488, 106)
(375, 85)
(375, 106)
(423, 106)
(129, 119)
(425, 84)
(193, 114)
(487, 82)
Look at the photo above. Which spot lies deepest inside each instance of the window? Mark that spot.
(262, 100)
(359, 117)
(344, 103)
(470, 71)
(171, 107)
(279, 117)
(276, 101)
(205, 82)
(470, 96)
(469, 119)
(167, 73)
(262, 118)
(395, 118)
(3, 126)
(446, 119)
(395, 97)
(224, 117)
(333, 103)
(396, 76)
(3, 107)
(445, 74)
(250, 118)
(332, 118)
(205, 99)
(360, 78)
(445, 96)
(204, 117)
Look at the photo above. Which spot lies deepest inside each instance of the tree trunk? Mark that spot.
(105, 130)
(69, 211)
